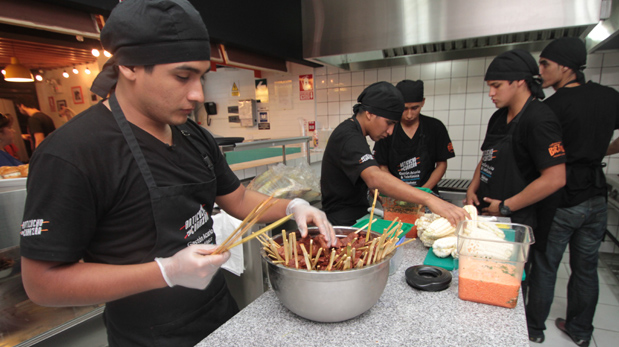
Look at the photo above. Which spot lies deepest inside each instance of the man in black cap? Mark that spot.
(133, 190)
(588, 113)
(418, 150)
(522, 155)
(349, 168)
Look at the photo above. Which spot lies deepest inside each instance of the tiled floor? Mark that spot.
(606, 321)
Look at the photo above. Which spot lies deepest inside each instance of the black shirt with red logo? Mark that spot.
(436, 138)
(588, 114)
(537, 139)
(87, 198)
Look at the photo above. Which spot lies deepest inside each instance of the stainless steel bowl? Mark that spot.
(328, 296)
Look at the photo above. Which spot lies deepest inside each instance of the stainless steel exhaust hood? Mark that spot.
(362, 34)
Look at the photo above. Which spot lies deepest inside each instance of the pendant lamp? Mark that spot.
(15, 72)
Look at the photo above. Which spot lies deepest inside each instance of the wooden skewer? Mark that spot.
(285, 244)
(261, 231)
(308, 263)
(405, 242)
(367, 237)
(363, 227)
(247, 223)
(248, 218)
(331, 259)
(294, 247)
(317, 256)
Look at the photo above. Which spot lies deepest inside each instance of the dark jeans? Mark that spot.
(582, 226)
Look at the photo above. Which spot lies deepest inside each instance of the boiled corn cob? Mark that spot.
(444, 247)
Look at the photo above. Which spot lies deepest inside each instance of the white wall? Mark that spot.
(283, 122)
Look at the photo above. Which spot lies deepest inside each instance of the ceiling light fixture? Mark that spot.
(107, 54)
(95, 52)
(87, 71)
(75, 70)
(65, 74)
(16, 72)
(38, 78)
(3, 72)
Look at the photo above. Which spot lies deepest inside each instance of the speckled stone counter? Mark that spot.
(403, 316)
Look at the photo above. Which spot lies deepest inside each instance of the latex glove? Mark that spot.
(303, 212)
(192, 267)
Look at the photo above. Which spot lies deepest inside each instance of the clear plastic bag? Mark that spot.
(288, 182)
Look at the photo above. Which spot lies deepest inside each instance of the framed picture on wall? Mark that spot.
(52, 103)
(93, 98)
(61, 103)
(78, 97)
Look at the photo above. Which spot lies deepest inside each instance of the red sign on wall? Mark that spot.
(306, 87)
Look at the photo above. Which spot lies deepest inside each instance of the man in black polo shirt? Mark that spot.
(588, 113)
(349, 168)
(418, 150)
(40, 125)
(120, 199)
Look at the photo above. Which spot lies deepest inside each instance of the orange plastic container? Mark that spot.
(488, 277)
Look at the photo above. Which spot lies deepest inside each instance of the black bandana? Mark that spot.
(570, 52)
(381, 99)
(412, 91)
(151, 32)
(516, 65)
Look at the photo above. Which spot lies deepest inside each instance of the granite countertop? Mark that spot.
(403, 316)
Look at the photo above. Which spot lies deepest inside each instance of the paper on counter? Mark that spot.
(224, 225)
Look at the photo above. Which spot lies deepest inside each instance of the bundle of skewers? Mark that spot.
(352, 251)
(254, 216)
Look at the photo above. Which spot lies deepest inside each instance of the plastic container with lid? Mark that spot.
(490, 268)
(406, 212)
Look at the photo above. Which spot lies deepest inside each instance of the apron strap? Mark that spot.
(133, 145)
(194, 141)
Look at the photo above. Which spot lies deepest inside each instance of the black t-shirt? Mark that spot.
(588, 114)
(344, 193)
(87, 193)
(40, 123)
(435, 136)
(535, 139)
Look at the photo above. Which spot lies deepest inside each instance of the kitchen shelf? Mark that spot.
(283, 142)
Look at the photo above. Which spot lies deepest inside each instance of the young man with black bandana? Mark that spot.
(418, 150)
(137, 189)
(522, 155)
(588, 113)
(349, 168)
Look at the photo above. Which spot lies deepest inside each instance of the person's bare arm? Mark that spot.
(393, 187)
(38, 138)
(437, 174)
(76, 284)
(551, 180)
(471, 192)
(613, 148)
(384, 168)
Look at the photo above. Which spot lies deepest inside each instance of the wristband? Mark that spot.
(165, 277)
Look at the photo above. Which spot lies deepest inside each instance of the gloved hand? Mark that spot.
(303, 213)
(192, 267)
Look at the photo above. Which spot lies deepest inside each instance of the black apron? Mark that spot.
(412, 165)
(175, 316)
(500, 176)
